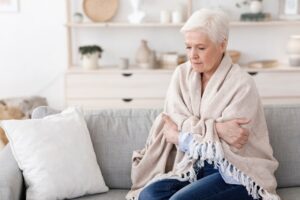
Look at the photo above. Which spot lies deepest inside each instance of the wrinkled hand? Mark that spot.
(233, 133)
(170, 130)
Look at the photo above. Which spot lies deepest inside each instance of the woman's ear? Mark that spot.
(223, 45)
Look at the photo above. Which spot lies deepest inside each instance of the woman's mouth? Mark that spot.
(197, 63)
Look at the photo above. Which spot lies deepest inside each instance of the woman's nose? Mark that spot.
(194, 53)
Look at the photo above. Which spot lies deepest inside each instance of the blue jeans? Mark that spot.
(209, 186)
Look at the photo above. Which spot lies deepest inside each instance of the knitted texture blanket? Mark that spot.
(230, 93)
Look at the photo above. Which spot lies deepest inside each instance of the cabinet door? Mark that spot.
(135, 85)
(117, 90)
(283, 87)
(116, 103)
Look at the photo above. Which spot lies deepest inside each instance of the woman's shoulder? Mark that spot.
(242, 77)
(183, 69)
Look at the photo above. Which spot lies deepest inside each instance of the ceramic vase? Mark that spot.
(144, 55)
(256, 6)
(293, 50)
(137, 15)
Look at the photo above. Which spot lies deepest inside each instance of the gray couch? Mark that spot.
(116, 133)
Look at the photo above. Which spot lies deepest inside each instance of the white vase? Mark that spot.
(293, 50)
(256, 6)
(165, 16)
(90, 61)
(137, 16)
(177, 16)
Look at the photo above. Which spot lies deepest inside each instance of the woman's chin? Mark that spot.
(198, 67)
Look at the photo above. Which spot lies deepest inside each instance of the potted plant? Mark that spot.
(90, 55)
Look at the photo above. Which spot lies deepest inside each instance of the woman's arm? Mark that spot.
(170, 130)
(230, 131)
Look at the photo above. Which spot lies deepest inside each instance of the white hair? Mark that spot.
(215, 23)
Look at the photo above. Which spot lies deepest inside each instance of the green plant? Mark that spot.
(90, 49)
(245, 3)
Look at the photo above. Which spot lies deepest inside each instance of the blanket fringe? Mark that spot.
(213, 154)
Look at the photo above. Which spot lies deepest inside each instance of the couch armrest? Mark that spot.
(11, 179)
(43, 111)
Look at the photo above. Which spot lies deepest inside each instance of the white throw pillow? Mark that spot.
(56, 156)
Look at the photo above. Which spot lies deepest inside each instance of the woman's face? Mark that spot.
(204, 55)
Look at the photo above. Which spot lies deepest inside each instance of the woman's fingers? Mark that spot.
(169, 121)
(241, 139)
(243, 121)
(165, 117)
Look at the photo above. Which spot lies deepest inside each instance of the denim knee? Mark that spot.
(178, 196)
(147, 194)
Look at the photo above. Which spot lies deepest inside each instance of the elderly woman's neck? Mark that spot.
(207, 75)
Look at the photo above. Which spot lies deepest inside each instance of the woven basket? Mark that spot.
(235, 55)
(100, 10)
(263, 64)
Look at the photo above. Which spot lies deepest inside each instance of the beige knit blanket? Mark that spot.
(230, 93)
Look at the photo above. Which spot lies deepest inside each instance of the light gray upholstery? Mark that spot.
(11, 181)
(284, 129)
(292, 193)
(116, 133)
(113, 194)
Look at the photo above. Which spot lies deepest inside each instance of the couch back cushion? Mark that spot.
(116, 133)
(284, 128)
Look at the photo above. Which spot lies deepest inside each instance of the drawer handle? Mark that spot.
(252, 73)
(127, 74)
(127, 100)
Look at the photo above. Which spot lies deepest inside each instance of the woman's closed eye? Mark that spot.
(199, 48)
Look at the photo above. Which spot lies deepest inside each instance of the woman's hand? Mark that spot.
(233, 133)
(170, 130)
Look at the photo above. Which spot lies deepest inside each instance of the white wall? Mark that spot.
(33, 55)
(33, 50)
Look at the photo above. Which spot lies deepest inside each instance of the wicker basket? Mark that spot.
(235, 55)
(263, 64)
(100, 10)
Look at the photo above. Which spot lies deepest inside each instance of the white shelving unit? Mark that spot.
(159, 25)
(139, 88)
(113, 69)
(280, 68)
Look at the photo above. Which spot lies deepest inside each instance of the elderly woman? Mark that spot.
(212, 142)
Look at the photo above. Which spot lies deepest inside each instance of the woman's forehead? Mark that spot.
(197, 37)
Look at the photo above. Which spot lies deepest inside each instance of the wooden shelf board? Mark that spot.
(113, 69)
(159, 25)
(122, 24)
(281, 68)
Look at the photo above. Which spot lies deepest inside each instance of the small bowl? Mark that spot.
(235, 55)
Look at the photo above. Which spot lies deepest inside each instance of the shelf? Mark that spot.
(159, 25)
(114, 69)
(265, 23)
(121, 24)
(281, 68)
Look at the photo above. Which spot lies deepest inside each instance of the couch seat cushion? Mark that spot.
(291, 193)
(113, 194)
